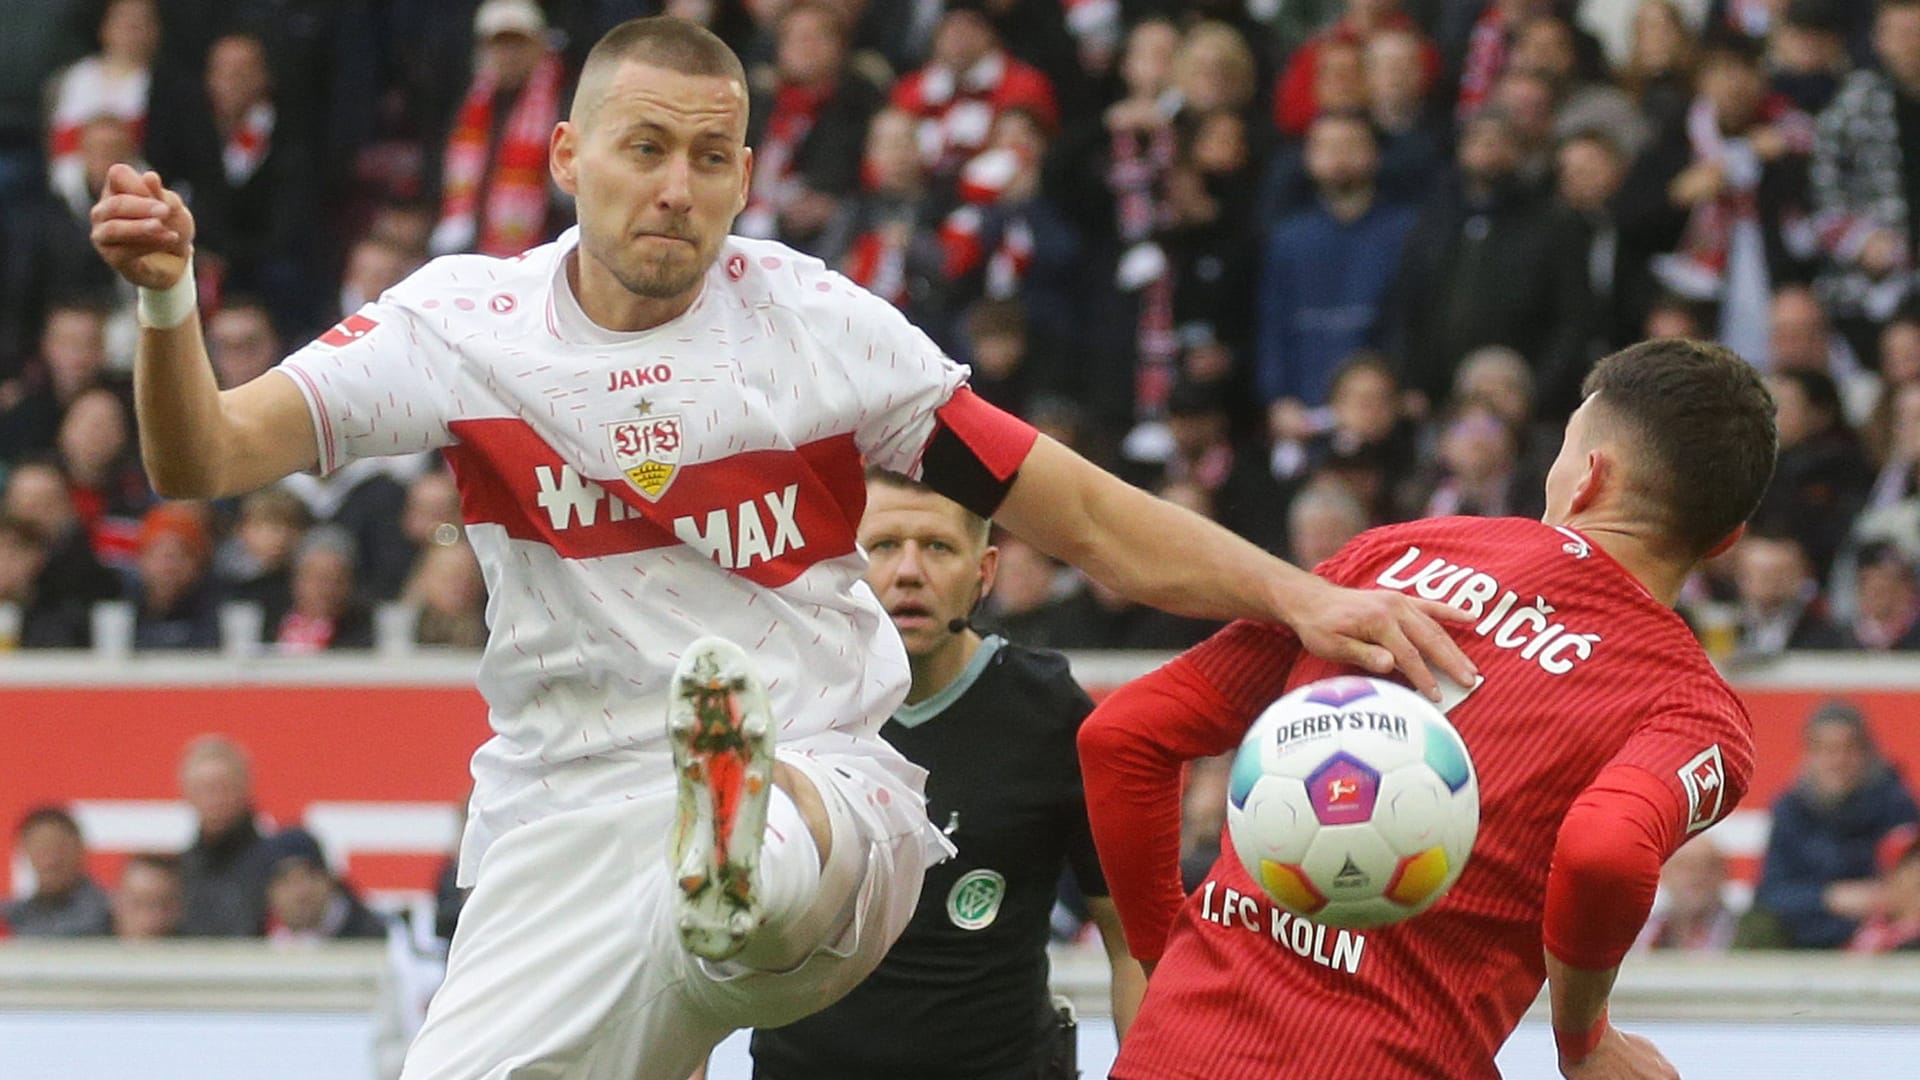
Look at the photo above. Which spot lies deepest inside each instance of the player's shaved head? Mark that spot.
(1697, 426)
(659, 41)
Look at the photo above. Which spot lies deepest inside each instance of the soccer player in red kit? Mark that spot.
(1602, 736)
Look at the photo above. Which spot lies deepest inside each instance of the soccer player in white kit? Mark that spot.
(659, 433)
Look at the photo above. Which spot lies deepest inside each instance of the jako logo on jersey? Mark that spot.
(1704, 779)
(1511, 624)
(737, 538)
(636, 377)
(348, 330)
(647, 451)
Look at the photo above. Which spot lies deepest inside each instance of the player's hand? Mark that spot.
(141, 229)
(1380, 630)
(1621, 1056)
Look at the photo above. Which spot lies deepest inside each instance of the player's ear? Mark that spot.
(1592, 482)
(563, 155)
(1726, 544)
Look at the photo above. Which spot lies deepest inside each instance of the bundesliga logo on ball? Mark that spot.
(1353, 802)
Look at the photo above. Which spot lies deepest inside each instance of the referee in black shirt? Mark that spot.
(963, 994)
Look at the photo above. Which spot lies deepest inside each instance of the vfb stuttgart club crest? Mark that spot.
(647, 449)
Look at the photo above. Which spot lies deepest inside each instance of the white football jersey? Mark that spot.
(627, 493)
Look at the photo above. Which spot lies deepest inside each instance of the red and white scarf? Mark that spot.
(1698, 266)
(247, 144)
(775, 181)
(1487, 51)
(515, 216)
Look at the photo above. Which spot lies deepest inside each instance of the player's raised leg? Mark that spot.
(721, 732)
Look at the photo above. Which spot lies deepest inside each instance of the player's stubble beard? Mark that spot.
(664, 274)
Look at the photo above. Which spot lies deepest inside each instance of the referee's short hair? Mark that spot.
(977, 527)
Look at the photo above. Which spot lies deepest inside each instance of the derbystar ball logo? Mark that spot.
(349, 330)
(1704, 779)
(647, 451)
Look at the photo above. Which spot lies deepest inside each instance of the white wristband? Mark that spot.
(164, 309)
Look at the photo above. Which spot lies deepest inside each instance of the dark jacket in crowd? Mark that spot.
(82, 911)
(1811, 846)
(225, 880)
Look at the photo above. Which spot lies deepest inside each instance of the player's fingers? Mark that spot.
(122, 178)
(153, 185)
(1408, 659)
(1434, 643)
(128, 206)
(141, 232)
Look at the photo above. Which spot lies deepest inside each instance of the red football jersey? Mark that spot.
(1582, 669)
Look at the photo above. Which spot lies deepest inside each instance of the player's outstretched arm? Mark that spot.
(196, 441)
(1164, 555)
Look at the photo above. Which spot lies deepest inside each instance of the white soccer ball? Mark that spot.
(1353, 802)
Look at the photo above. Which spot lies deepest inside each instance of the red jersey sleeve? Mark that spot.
(1680, 773)
(1132, 751)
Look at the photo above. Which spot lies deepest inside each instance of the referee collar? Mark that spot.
(911, 716)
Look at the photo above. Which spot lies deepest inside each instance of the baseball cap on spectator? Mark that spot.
(497, 17)
(170, 519)
(1901, 843)
(291, 844)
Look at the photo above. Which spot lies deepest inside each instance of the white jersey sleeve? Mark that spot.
(380, 383)
(900, 376)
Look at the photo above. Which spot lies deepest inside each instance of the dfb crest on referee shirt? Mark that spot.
(647, 449)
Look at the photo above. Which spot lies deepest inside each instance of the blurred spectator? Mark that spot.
(1898, 481)
(1203, 817)
(1820, 481)
(1866, 174)
(1818, 877)
(39, 621)
(1780, 603)
(1659, 68)
(1399, 86)
(1807, 54)
(365, 497)
(73, 357)
(1894, 924)
(968, 81)
(1024, 600)
(50, 261)
(250, 181)
(1528, 99)
(1887, 599)
(1215, 69)
(65, 901)
(1003, 236)
(1590, 169)
(451, 597)
(1550, 48)
(1899, 371)
(1320, 521)
(1479, 470)
(1363, 441)
(109, 490)
(1722, 189)
(884, 237)
(242, 341)
(999, 354)
(224, 871)
(1238, 488)
(1096, 617)
(174, 598)
(1490, 263)
(495, 197)
(807, 129)
(1488, 48)
(255, 566)
(325, 613)
(37, 494)
(1498, 378)
(305, 902)
(1296, 102)
(1672, 315)
(374, 265)
(1691, 914)
(1327, 271)
(42, 35)
(111, 83)
(147, 904)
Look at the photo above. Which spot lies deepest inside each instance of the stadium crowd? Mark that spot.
(1306, 266)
